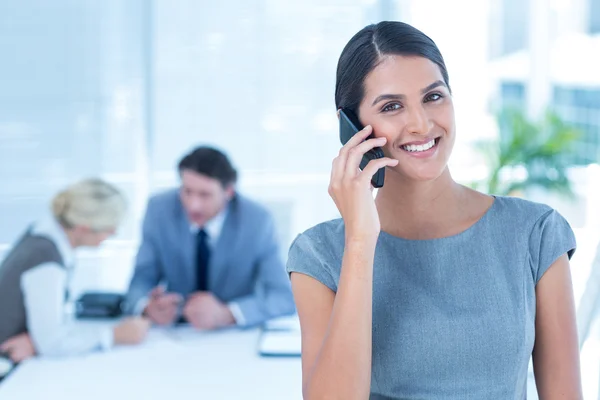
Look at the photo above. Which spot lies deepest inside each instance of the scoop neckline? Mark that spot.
(465, 232)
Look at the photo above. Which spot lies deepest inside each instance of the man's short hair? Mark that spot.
(210, 162)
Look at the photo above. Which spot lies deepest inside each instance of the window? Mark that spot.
(581, 108)
(594, 16)
(515, 25)
(72, 105)
(513, 94)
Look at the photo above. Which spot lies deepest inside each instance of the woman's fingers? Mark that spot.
(374, 165)
(338, 166)
(356, 154)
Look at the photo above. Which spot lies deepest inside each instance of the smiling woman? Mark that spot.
(432, 290)
(421, 107)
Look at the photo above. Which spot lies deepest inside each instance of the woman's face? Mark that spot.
(407, 101)
(92, 238)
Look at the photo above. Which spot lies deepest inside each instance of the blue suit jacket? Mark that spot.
(245, 264)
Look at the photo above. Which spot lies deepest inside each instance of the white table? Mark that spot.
(172, 363)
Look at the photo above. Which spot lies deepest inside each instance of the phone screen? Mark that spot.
(350, 126)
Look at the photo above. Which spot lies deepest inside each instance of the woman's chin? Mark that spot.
(421, 175)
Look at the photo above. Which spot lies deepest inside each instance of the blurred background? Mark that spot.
(122, 88)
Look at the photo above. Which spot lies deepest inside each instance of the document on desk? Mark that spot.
(287, 323)
(281, 338)
(280, 344)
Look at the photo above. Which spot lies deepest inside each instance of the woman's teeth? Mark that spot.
(421, 147)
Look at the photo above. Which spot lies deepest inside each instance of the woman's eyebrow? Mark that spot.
(389, 96)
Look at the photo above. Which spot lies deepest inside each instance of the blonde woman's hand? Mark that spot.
(19, 347)
(131, 330)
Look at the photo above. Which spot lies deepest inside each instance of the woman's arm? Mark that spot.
(336, 329)
(556, 351)
(18, 348)
(44, 289)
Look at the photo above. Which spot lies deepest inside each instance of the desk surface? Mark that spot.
(172, 362)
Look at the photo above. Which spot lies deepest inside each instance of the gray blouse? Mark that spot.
(453, 318)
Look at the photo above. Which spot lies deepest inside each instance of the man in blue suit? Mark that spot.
(209, 256)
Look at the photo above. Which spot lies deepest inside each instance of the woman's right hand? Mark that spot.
(19, 347)
(351, 189)
(132, 330)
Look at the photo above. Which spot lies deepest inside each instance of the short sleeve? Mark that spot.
(304, 257)
(550, 238)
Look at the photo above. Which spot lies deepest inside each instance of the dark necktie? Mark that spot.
(202, 257)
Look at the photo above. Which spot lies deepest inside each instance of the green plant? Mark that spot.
(539, 150)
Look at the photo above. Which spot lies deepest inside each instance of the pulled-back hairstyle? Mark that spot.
(369, 47)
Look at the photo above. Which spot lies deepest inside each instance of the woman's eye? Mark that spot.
(433, 97)
(391, 107)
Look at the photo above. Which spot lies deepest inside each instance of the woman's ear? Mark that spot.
(338, 112)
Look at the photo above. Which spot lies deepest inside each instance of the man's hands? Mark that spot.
(205, 311)
(162, 308)
(202, 309)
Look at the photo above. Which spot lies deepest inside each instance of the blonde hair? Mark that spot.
(93, 203)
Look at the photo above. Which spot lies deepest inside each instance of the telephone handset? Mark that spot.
(350, 126)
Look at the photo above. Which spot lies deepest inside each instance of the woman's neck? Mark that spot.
(71, 237)
(422, 210)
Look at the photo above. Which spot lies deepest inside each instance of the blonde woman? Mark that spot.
(33, 277)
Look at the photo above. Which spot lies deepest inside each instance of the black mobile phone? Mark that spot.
(99, 305)
(350, 126)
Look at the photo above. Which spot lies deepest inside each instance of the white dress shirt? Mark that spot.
(213, 230)
(44, 288)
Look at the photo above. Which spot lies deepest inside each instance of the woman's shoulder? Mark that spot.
(318, 251)
(520, 211)
(327, 231)
(545, 232)
(323, 240)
